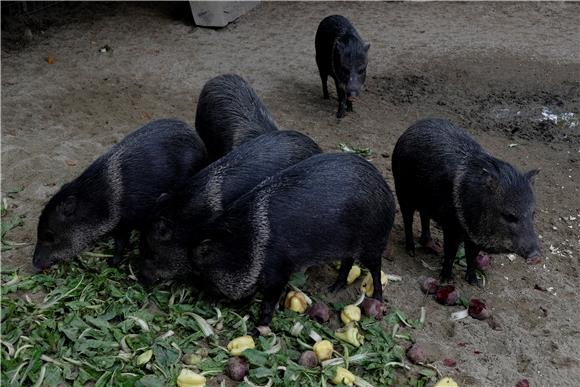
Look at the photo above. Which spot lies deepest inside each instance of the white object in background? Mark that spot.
(219, 13)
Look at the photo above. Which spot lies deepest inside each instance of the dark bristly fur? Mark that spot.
(476, 198)
(329, 207)
(229, 113)
(118, 191)
(342, 55)
(164, 242)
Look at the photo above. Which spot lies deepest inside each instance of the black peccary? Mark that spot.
(164, 242)
(328, 207)
(118, 191)
(342, 55)
(448, 177)
(229, 112)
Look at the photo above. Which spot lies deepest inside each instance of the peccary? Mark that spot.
(117, 191)
(328, 207)
(342, 54)
(448, 177)
(164, 242)
(229, 112)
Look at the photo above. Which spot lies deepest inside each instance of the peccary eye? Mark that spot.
(510, 218)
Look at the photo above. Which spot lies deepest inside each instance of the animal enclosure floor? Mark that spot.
(508, 72)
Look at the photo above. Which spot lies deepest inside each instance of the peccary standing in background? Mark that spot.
(165, 241)
(328, 207)
(229, 112)
(118, 191)
(342, 54)
(474, 197)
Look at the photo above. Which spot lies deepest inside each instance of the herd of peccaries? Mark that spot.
(236, 205)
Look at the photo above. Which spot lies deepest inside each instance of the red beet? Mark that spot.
(372, 308)
(237, 368)
(523, 383)
(447, 295)
(428, 285)
(308, 359)
(319, 312)
(483, 261)
(478, 310)
(417, 354)
(449, 363)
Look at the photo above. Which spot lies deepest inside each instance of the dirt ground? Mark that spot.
(505, 71)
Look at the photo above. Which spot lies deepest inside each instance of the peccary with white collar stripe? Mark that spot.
(164, 242)
(326, 208)
(342, 55)
(476, 198)
(229, 113)
(118, 191)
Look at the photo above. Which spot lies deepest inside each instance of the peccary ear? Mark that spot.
(68, 206)
(367, 46)
(490, 179)
(531, 175)
(162, 230)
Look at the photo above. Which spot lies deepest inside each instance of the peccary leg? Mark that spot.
(450, 246)
(471, 251)
(426, 240)
(274, 286)
(341, 101)
(340, 282)
(348, 106)
(407, 213)
(324, 79)
(373, 261)
(121, 236)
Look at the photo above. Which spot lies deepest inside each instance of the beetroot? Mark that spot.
(417, 354)
(372, 308)
(483, 261)
(523, 383)
(478, 310)
(447, 295)
(319, 312)
(428, 285)
(308, 359)
(237, 368)
(449, 362)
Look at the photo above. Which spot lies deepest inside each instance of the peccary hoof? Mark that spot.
(341, 113)
(471, 278)
(445, 277)
(411, 252)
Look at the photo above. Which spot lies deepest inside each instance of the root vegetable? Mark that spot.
(483, 261)
(428, 285)
(323, 350)
(478, 310)
(417, 354)
(319, 312)
(237, 368)
(447, 295)
(373, 308)
(308, 359)
(350, 313)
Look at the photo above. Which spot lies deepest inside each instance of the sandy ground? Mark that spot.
(490, 67)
